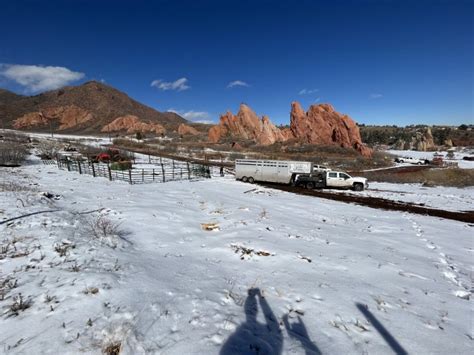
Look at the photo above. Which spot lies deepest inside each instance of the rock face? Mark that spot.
(246, 125)
(185, 129)
(421, 140)
(67, 116)
(132, 124)
(321, 124)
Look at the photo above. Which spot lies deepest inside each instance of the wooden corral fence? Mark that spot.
(167, 170)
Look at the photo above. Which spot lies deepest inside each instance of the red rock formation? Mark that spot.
(68, 117)
(320, 125)
(32, 119)
(132, 124)
(184, 130)
(245, 125)
(323, 125)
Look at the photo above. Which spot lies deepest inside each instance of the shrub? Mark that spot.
(121, 165)
(105, 230)
(12, 153)
(48, 149)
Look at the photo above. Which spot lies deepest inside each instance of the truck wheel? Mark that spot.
(244, 179)
(251, 180)
(310, 185)
(358, 187)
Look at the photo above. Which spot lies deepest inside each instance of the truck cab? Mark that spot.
(331, 179)
(340, 179)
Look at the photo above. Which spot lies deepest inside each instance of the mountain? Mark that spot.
(88, 108)
(321, 124)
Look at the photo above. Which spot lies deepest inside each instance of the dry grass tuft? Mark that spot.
(112, 349)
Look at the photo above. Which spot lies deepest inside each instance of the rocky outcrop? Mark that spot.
(184, 130)
(30, 120)
(421, 140)
(132, 124)
(321, 124)
(246, 125)
(68, 117)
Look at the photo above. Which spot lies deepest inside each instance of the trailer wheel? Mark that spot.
(251, 180)
(358, 187)
(244, 179)
(310, 185)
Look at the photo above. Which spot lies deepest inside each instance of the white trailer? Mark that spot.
(280, 171)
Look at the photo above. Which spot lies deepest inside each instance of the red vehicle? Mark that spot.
(103, 157)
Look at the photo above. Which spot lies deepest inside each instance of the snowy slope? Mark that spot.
(168, 286)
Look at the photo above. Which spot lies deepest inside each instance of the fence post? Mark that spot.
(153, 175)
(93, 170)
(130, 175)
(189, 171)
(143, 175)
(173, 169)
(110, 172)
(79, 167)
(163, 171)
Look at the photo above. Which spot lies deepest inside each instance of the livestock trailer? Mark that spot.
(280, 171)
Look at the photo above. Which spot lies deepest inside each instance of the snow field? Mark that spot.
(162, 284)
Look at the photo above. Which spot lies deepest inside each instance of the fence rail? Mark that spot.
(164, 172)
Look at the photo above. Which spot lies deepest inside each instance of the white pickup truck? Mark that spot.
(410, 160)
(335, 179)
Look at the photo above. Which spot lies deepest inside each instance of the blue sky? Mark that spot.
(381, 62)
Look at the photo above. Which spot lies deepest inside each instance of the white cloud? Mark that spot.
(375, 96)
(39, 78)
(308, 91)
(195, 116)
(237, 83)
(180, 84)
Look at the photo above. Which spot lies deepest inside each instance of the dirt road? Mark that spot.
(377, 202)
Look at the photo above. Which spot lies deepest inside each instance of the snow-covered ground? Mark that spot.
(458, 156)
(279, 272)
(445, 198)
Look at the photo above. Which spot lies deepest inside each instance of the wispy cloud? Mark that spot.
(37, 78)
(308, 91)
(316, 100)
(237, 83)
(195, 116)
(180, 84)
(375, 96)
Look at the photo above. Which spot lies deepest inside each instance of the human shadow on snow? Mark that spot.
(297, 331)
(253, 337)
